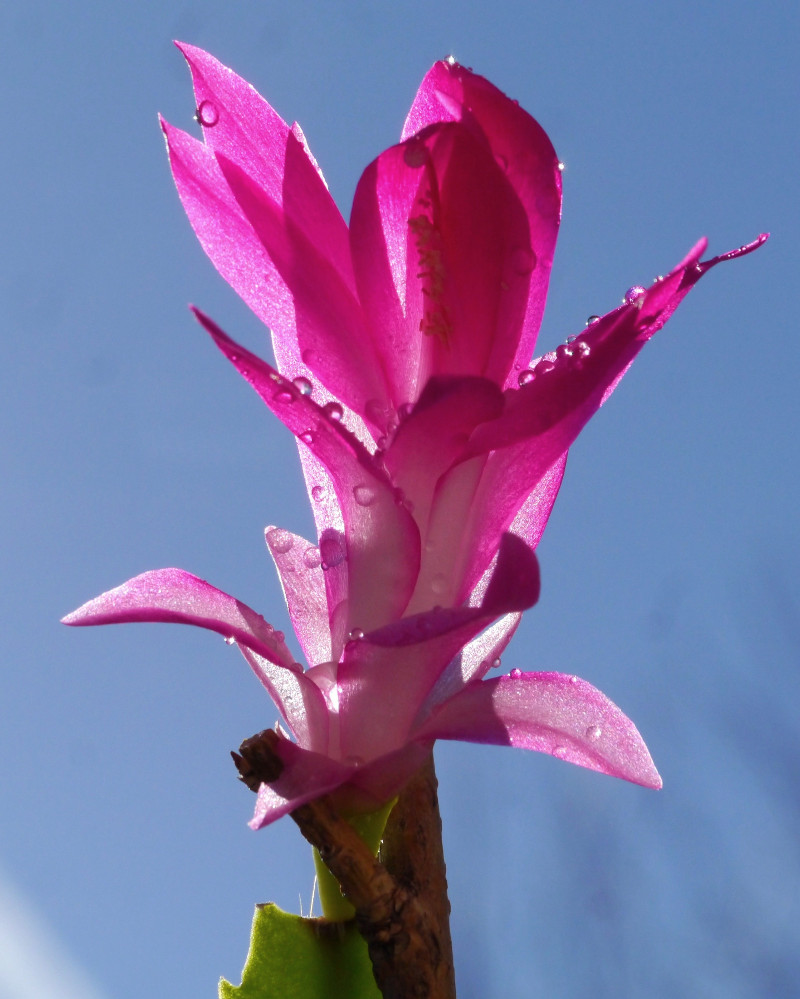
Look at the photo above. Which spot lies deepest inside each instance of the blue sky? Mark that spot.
(669, 566)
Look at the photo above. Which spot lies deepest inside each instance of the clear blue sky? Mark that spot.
(669, 567)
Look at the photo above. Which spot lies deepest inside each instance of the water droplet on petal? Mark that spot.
(312, 557)
(333, 411)
(523, 260)
(544, 366)
(560, 752)
(284, 396)
(405, 410)
(415, 154)
(332, 551)
(230, 640)
(592, 319)
(562, 166)
(496, 662)
(318, 494)
(525, 377)
(563, 351)
(356, 635)
(439, 583)
(593, 732)
(515, 674)
(634, 294)
(581, 348)
(307, 437)
(303, 385)
(206, 114)
(364, 495)
(280, 541)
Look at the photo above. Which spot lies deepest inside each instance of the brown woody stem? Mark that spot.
(402, 910)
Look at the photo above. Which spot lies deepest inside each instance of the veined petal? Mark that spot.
(298, 699)
(440, 246)
(550, 713)
(520, 145)
(178, 597)
(301, 576)
(382, 539)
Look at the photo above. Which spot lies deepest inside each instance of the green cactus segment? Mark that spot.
(295, 958)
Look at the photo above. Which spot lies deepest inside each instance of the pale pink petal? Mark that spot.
(550, 713)
(441, 253)
(298, 565)
(382, 540)
(298, 699)
(178, 597)
(306, 776)
(450, 92)
(387, 675)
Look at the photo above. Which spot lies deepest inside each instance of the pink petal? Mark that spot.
(386, 676)
(544, 416)
(550, 713)
(298, 699)
(175, 596)
(306, 776)
(298, 565)
(440, 244)
(382, 540)
(450, 92)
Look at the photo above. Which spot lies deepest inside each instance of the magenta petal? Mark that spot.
(550, 713)
(298, 699)
(303, 585)
(520, 145)
(382, 540)
(306, 776)
(440, 244)
(175, 596)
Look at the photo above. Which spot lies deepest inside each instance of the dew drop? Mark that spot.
(496, 663)
(356, 635)
(318, 494)
(593, 732)
(284, 396)
(364, 495)
(561, 166)
(439, 583)
(303, 385)
(230, 640)
(332, 551)
(563, 351)
(515, 674)
(634, 294)
(307, 437)
(415, 154)
(333, 411)
(280, 541)
(206, 114)
(312, 557)
(544, 366)
(560, 752)
(525, 377)
(592, 319)
(523, 260)
(581, 349)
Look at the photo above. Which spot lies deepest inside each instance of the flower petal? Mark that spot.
(450, 92)
(175, 596)
(382, 540)
(544, 416)
(440, 245)
(298, 699)
(300, 571)
(550, 713)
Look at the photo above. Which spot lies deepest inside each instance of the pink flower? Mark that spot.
(432, 446)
